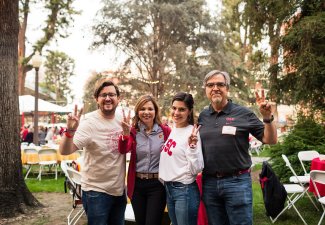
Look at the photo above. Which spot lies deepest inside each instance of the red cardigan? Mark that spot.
(129, 144)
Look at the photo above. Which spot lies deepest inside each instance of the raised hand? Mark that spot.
(126, 123)
(264, 106)
(73, 119)
(192, 140)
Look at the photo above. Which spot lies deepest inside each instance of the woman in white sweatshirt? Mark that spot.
(180, 161)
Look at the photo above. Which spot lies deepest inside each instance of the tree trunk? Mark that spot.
(14, 194)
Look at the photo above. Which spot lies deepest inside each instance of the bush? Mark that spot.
(307, 134)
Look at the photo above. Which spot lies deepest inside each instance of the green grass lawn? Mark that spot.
(290, 217)
(47, 184)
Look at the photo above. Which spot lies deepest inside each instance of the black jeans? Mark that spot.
(148, 201)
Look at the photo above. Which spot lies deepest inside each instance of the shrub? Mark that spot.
(307, 134)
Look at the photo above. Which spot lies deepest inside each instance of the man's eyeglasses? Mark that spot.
(111, 95)
(218, 84)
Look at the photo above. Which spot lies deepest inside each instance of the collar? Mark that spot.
(142, 127)
(225, 110)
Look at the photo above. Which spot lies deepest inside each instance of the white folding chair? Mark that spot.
(74, 178)
(303, 181)
(129, 214)
(47, 157)
(295, 192)
(255, 146)
(31, 156)
(307, 156)
(318, 176)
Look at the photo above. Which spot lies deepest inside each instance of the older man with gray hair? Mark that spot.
(225, 128)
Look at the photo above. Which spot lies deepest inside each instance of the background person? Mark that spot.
(144, 141)
(103, 170)
(164, 120)
(227, 185)
(180, 162)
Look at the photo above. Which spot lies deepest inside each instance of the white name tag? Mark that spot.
(229, 130)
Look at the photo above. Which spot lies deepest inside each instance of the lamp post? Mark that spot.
(36, 62)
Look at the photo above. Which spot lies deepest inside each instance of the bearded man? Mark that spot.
(225, 128)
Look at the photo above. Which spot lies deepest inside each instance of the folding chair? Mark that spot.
(307, 156)
(129, 214)
(303, 181)
(318, 176)
(255, 146)
(31, 157)
(273, 194)
(47, 157)
(74, 184)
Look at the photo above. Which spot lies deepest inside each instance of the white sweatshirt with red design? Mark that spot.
(179, 162)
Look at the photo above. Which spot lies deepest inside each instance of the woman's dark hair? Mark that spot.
(143, 100)
(104, 83)
(189, 102)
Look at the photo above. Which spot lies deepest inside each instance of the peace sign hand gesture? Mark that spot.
(126, 123)
(73, 119)
(264, 106)
(192, 140)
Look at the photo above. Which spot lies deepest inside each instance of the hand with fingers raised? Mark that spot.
(73, 120)
(126, 123)
(192, 140)
(264, 106)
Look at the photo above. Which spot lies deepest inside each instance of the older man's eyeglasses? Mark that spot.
(111, 95)
(217, 84)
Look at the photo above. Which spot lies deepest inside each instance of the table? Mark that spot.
(33, 157)
(317, 164)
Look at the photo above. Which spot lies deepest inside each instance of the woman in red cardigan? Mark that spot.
(144, 140)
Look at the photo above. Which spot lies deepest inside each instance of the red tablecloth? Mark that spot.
(317, 164)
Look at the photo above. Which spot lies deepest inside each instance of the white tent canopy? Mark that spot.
(27, 105)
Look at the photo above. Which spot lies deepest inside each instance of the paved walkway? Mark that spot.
(257, 160)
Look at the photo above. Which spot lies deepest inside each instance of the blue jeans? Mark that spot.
(228, 200)
(183, 202)
(104, 209)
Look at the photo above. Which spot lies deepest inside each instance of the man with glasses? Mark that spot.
(225, 128)
(103, 169)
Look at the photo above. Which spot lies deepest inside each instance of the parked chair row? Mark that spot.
(46, 157)
(299, 185)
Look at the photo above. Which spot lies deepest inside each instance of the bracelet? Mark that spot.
(68, 130)
(68, 135)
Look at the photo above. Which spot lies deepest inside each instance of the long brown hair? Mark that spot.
(143, 100)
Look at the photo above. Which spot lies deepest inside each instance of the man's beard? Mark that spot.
(218, 101)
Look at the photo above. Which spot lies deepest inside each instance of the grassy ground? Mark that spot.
(290, 217)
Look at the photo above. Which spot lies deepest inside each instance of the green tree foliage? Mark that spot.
(262, 20)
(89, 89)
(304, 56)
(59, 18)
(307, 134)
(165, 41)
(236, 51)
(59, 69)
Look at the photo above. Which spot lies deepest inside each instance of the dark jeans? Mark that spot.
(148, 201)
(104, 209)
(228, 200)
(183, 202)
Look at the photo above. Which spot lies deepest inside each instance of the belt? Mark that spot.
(147, 175)
(236, 173)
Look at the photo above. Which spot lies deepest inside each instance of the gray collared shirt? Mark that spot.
(148, 149)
